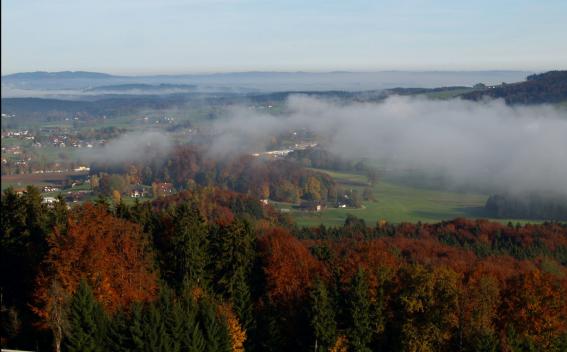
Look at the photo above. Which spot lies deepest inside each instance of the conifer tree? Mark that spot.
(189, 247)
(174, 324)
(360, 332)
(322, 317)
(242, 301)
(232, 252)
(136, 331)
(118, 337)
(192, 337)
(215, 330)
(86, 322)
(155, 334)
(196, 341)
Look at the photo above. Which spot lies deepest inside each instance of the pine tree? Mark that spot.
(118, 337)
(174, 325)
(242, 301)
(360, 332)
(136, 328)
(322, 317)
(232, 254)
(192, 337)
(215, 330)
(189, 248)
(86, 322)
(156, 338)
(196, 340)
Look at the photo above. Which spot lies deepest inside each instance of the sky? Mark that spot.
(204, 36)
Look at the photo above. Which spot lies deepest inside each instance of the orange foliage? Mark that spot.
(237, 333)
(288, 266)
(341, 345)
(110, 253)
(535, 303)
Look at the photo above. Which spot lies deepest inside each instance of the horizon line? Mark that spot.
(206, 73)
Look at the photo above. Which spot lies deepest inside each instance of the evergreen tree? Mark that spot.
(136, 328)
(215, 330)
(232, 252)
(118, 336)
(196, 340)
(192, 337)
(188, 248)
(174, 325)
(322, 317)
(156, 338)
(86, 322)
(360, 332)
(242, 301)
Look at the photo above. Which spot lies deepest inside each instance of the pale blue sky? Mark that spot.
(174, 36)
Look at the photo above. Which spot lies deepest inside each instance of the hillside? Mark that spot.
(39, 75)
(142, 87)
(549, 87)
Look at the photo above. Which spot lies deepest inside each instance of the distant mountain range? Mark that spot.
(260, 81)
(142, 87)
(550, 87)
(39, 75)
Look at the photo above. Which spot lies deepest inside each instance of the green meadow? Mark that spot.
(397, 203)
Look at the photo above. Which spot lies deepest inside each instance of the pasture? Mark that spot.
(397, 203)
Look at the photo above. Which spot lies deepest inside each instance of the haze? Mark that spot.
(143, 36)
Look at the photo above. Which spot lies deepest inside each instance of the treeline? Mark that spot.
(208, 271)
(482, 237)
(549, 87)
(532, 206)
(323, 159)
(45, 110)
(187, 167)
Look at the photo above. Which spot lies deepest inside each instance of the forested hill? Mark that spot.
(549, 87)
(217, 271)
(42, 75)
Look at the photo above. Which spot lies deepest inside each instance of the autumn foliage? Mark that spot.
(265, 285)
(110, 253)
(289, 267)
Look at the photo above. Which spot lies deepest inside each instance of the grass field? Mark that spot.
(397, 203)
(448, 94)
(45, 179)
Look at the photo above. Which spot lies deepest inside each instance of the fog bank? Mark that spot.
(136, 146)
(481, 144)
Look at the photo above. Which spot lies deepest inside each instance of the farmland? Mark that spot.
(396, 203)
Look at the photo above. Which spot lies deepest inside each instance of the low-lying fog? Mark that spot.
(487, 145)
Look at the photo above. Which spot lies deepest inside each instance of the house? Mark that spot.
(50, 189)
(19, 191)
(138, 192)
(81, 168)
(162, 189)
(49, 200)
(313, 206)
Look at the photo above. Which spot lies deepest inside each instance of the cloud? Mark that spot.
(487, 145)
(135, 146)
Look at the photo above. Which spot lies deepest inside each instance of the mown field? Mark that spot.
(397, 203)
